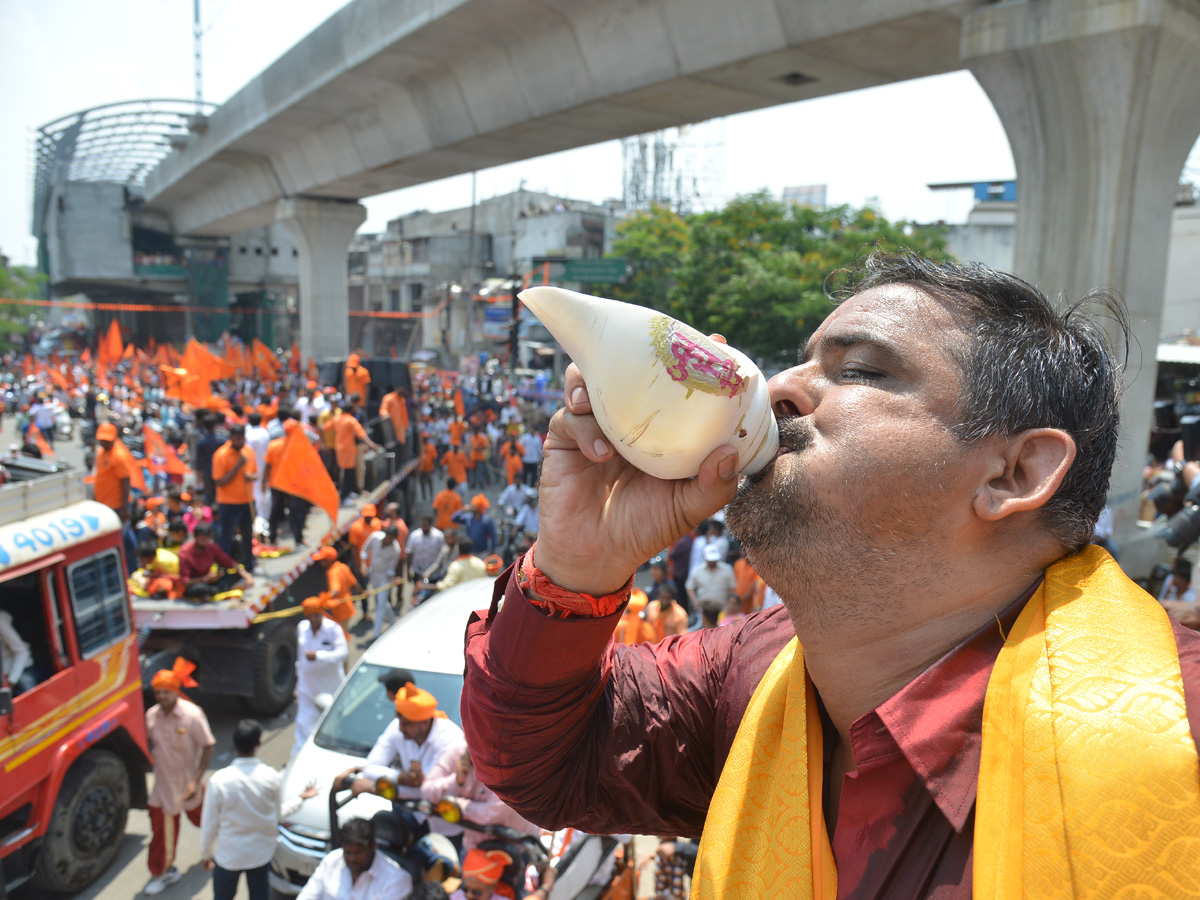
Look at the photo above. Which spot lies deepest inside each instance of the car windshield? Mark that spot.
(361, 711)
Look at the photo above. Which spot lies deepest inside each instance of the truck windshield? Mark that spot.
(361, 710)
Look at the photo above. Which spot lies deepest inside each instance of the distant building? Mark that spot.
(813, 195)
(96, 237)
(989, 237)
(429, 261)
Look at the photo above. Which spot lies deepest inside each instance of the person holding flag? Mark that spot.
(182, 743)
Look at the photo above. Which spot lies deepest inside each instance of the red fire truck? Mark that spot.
(72, 726)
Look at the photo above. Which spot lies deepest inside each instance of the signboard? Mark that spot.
(595, 271)
(497, 322)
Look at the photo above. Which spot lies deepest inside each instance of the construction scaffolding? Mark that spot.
(681, 169)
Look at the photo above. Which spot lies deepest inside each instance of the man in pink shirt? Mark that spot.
(182, 744)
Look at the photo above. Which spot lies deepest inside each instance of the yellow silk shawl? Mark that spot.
(1089, 782)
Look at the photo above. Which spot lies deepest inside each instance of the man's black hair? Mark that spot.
(247, 735)
(1025, 365)
(202, 528)
(254, 419)
(359, 832)
(428, 890)
(394, 679)
(237, 429)
(465, 546)
(146, 549)
(710, 611)
(176, 524)
(1183, 568)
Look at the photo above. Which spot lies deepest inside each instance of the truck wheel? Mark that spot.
(274, 654)
(87, 825)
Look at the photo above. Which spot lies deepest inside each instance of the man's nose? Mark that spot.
(795, 391)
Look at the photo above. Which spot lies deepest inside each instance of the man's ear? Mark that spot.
(1026, 472)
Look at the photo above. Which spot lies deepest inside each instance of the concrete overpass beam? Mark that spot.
(1099, 100)
(322, 230)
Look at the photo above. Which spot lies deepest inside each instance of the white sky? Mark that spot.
(61, 56)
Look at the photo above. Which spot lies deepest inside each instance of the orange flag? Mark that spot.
(302, 474)
(266, 364)
(294, 359)
(112, 347)
(395, 355)
(34, 436)
(86, 356)
(458, 402)
(313, 373)
(127, 353)
(57, 377)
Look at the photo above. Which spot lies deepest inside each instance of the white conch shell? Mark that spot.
(661, 391)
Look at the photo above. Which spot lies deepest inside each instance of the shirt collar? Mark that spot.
(937, 718)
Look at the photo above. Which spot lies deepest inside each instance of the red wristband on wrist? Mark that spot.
(559, 603)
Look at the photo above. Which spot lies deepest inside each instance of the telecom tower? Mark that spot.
(681, 169)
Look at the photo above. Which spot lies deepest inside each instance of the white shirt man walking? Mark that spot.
(321, 652)
(382, 560)
(240, 820)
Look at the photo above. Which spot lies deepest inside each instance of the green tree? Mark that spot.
(755, 271)
(17, 283)
(758, 269)
(652, 242)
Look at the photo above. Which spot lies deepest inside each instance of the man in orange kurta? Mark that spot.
(340, 582)
(514, 466)
(456, 464)
(357, 379)
(446, 504)
(457, 429)
(234, 470)
(480, 451)
(396, 409)
(347, 432)
(111, 485)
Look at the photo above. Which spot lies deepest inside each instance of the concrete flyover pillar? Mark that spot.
(1101, 103)
(322, 230)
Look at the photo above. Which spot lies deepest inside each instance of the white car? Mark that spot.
(429, 643)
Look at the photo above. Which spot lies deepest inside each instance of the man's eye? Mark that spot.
(854, 373)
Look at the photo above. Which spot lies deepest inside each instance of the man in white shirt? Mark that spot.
(411, 746)
(713, 581)
(355, 871)
(321, 653)
(257, 439)
(423, 547)
(43, 414)
(240, 820)
(531, 454)
(527, 516)
(381, 559)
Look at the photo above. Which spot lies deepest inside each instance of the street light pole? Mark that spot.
(513, 334)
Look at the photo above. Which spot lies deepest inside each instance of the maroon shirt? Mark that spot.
(195, 562)
(571, 729)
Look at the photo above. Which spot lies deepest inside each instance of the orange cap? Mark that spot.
(175, 678)
(415, 704)
(106, 432)
(325, 553)
(312, 605)
(486, 865)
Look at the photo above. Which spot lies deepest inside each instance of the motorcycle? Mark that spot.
(571, 865)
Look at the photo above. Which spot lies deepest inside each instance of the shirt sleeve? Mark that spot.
(340, 650)
(442, 779)
(570, 729)
(222, 558)
(201, 733)
(383, 754)
(314, 889)
(210, 815)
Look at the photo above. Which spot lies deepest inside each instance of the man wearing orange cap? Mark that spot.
(182, 744)
(321, 653)
(362, 528)
(338, 578)
(111, 486)
(478, 525)
(410, 746)
(234, 470)
(482, 871)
